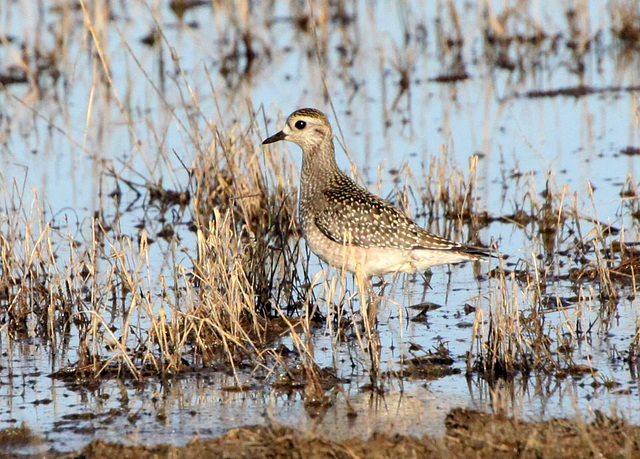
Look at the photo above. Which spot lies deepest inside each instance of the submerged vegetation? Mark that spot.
(188, 257)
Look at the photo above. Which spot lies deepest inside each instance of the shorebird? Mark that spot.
(348, 227)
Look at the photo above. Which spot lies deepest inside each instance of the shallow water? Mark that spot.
(59, 142)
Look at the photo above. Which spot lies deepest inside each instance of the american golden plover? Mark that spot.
(348, 227)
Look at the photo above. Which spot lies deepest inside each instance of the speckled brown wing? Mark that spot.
(369, 221)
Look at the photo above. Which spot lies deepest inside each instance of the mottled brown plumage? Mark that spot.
(349, 227)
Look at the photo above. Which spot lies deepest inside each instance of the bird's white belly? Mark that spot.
(375, 261)
(368, 261)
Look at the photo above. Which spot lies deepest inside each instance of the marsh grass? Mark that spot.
(234, 278)
(247, 282)
(533, 323)
(220, 305)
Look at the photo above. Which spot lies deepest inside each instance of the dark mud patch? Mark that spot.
(630, 151)
(480, 435)
(578, 91)
(450, 77)
(468, 434)
(429, 368)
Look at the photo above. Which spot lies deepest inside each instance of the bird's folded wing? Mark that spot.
(365, 220)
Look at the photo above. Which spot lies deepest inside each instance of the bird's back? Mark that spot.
(347, 213)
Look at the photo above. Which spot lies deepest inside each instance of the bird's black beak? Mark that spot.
(275, 137)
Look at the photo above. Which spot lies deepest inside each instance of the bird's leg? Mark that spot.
(373, 346)
(426, 277)
(370, 304)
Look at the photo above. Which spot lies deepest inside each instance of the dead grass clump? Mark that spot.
(37, 297)
(15, 437)
(431, 365)
(452, 195)
(514, 38)
(535, 320)
(101, 292)
(256, 188)
(625, 18)
(502, 347)
(248, 267)
(222, 311)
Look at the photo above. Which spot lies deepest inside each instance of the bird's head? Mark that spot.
(306, 127)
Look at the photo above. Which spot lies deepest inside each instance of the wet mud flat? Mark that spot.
(469, 433)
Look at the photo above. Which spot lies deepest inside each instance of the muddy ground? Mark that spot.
(468, 434)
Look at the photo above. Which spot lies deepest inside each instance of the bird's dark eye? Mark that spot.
(301, 124)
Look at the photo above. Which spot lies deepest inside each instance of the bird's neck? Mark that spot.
(319, 170)
(319, 163)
